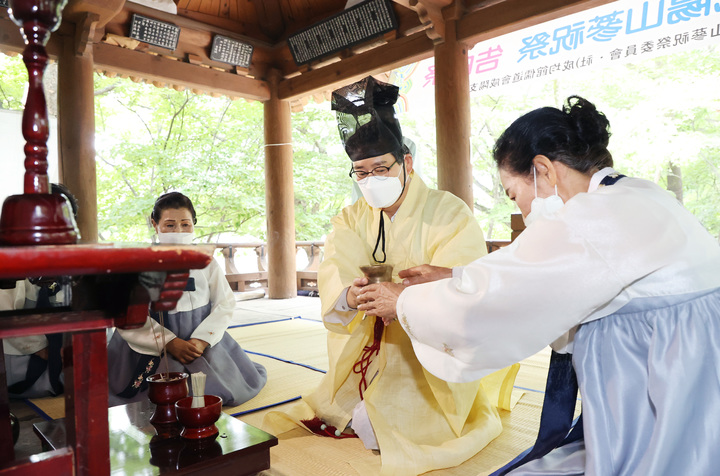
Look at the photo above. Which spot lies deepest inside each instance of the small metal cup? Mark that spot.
(377, 273)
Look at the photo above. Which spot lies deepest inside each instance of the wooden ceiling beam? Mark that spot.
(124, 61)
(10, 37)
(491, 18)
(75, 10)
(393, 55)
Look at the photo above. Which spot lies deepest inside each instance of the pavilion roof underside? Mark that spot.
(102, 27)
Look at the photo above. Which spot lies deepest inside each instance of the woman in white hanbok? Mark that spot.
(610, 268)
(194, 332)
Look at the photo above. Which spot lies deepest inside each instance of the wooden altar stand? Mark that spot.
(113, 287)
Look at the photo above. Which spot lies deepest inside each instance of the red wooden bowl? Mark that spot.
(199, 422)
(164, 392)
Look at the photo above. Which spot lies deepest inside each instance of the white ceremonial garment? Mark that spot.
(21, 366)
(25, 295)
(210, 287)
(640, 275)
(603, 249)
(10, 300)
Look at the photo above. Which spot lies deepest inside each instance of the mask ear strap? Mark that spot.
(404, 177)
(535, 179)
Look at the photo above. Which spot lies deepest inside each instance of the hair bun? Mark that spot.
(591, 125)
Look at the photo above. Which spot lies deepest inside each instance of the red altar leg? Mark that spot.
(37, 216)
(86, 402)
(7, 448)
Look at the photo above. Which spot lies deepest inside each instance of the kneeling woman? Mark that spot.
(194, 332)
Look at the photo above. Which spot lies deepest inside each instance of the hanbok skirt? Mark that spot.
(649, 378)
(16, 367)
(231, 374)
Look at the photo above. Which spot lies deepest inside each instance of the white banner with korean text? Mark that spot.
(619, 32)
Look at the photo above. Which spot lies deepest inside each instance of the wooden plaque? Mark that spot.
(357, 24)
(227, 50)
(154, 32)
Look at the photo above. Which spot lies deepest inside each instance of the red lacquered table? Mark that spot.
(139, 447)
(113, 286)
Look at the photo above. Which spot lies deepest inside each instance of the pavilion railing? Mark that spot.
(246, 280)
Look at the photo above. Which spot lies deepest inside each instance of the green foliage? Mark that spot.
(320, 172)
(154, 140)
(13, 82)
(664, 112)
(150, 141)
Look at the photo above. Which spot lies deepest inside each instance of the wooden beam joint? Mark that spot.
(85, 32)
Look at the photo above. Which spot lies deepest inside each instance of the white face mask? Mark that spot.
(543, 207)
(175, 238)
(381, 192)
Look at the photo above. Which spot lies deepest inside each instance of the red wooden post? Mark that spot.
(7, 450)
(86, 402)
(37, 217)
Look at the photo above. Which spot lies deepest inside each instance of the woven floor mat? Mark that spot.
(300, 453)
(298, 340)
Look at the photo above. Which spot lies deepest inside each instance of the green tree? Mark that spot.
(152, 140)
(320, 172)
(13, 82)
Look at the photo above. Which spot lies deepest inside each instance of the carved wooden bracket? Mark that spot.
(430, 14)
(85, 32)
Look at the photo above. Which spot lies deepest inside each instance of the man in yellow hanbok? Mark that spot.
(375, 387)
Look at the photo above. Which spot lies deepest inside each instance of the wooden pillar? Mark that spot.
(86, 396)
(452, 116)
(76, 126)
(279, 194)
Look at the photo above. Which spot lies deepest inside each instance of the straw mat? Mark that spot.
(298, 340)
(285, 382)
(300, 453)
(50, 408)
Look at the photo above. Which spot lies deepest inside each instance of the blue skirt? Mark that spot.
(649, 378)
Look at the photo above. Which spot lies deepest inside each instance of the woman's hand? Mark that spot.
(199, 344)
(380, 300)
(424, 274)
(185, 351)
(354, 290)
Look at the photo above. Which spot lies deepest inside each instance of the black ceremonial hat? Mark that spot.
(366, 118)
